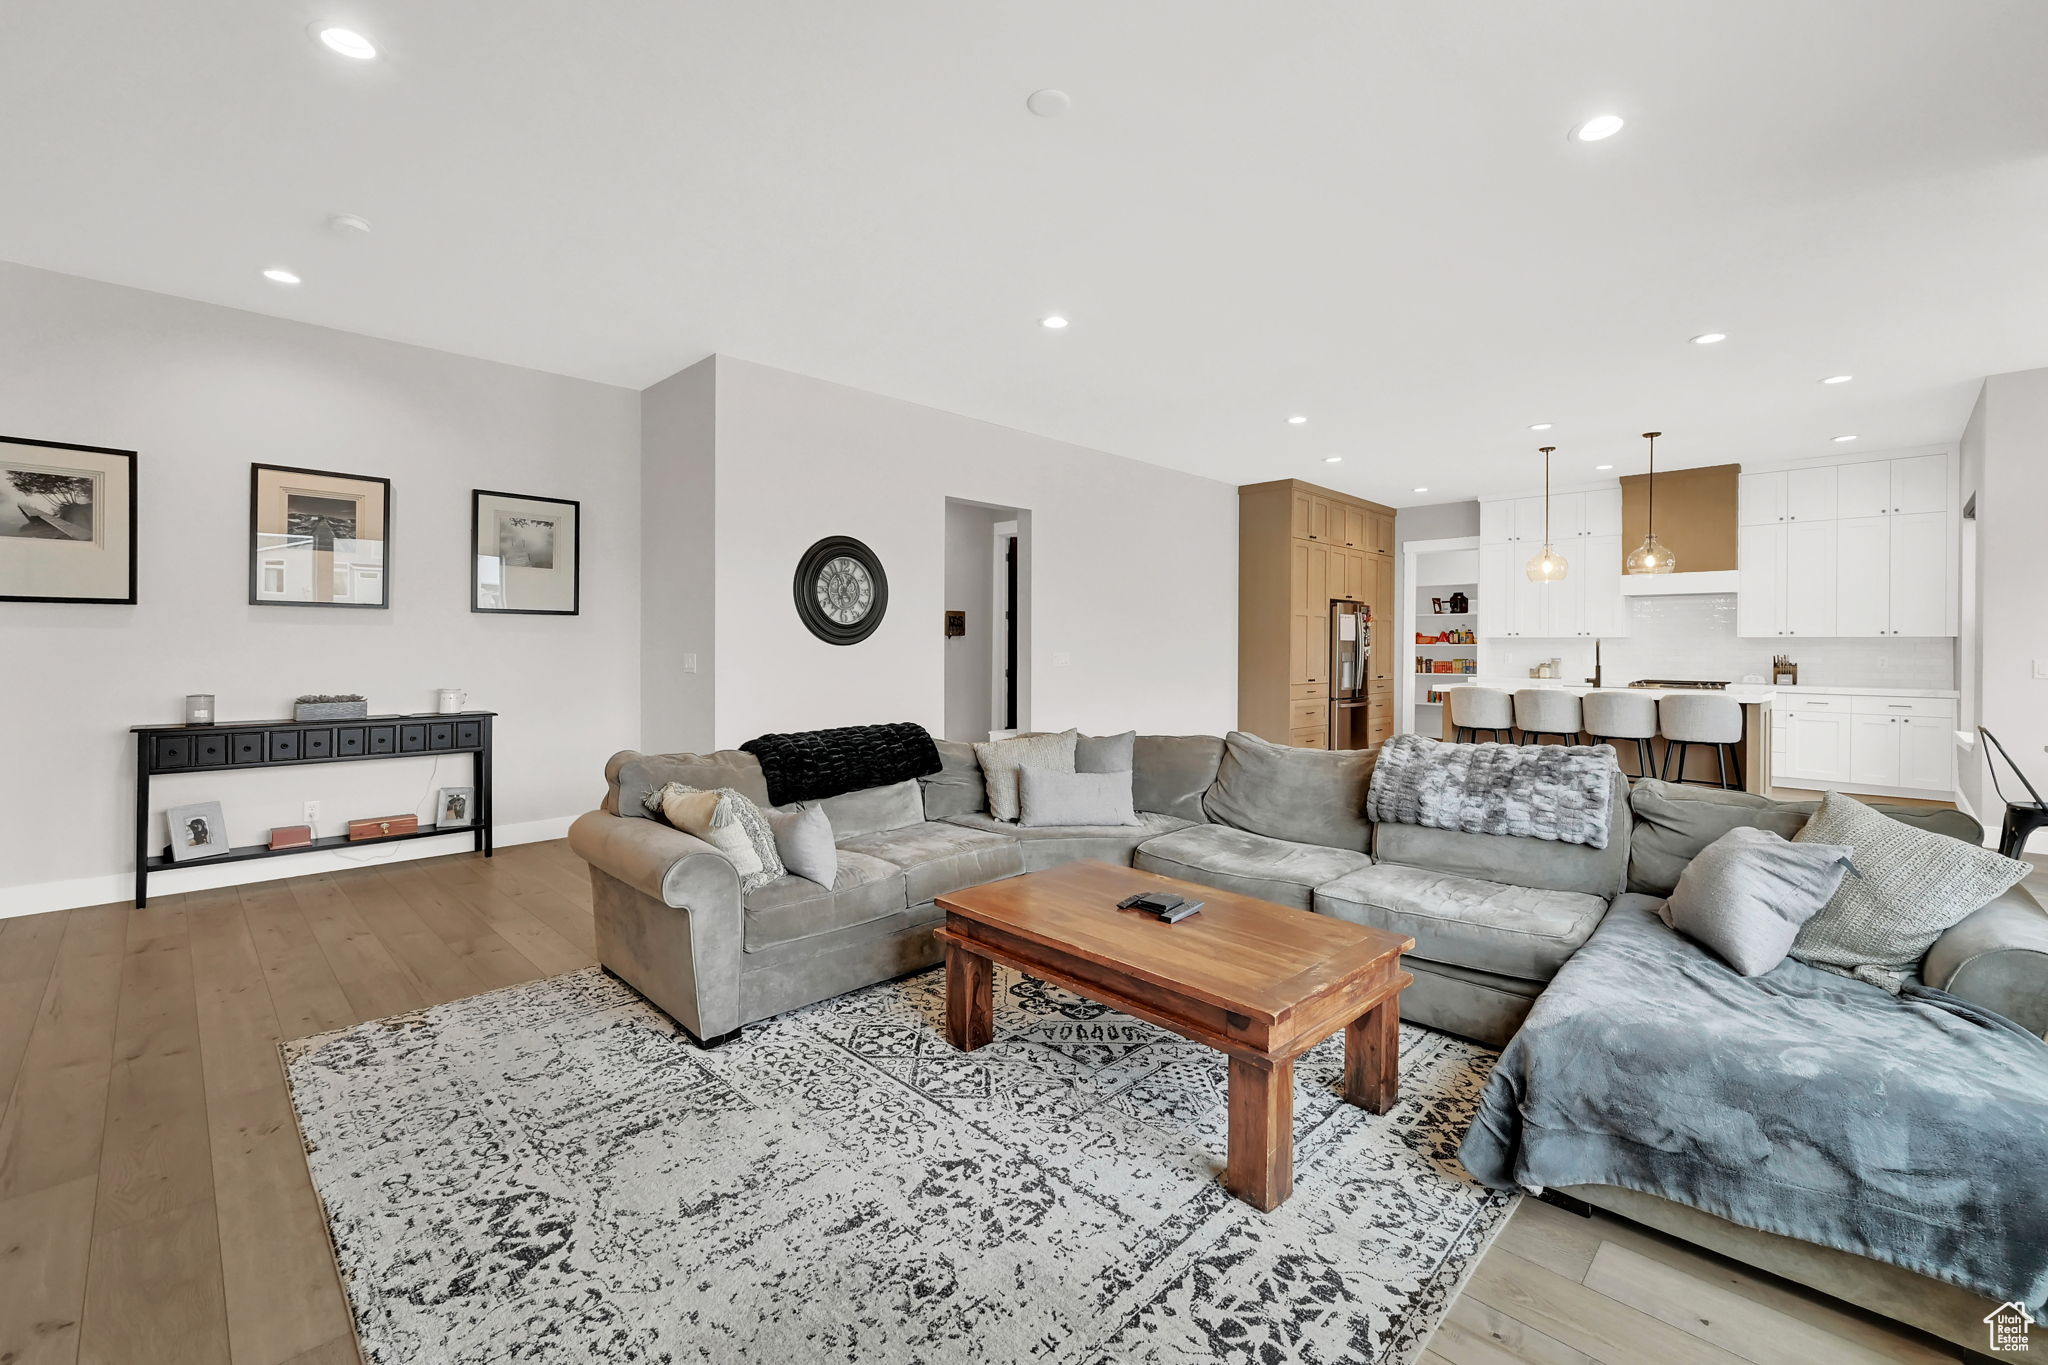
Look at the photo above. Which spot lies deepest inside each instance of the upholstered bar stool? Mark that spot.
(1689, 718)
(1541, 711)
(1480, 708)
(1614, 715)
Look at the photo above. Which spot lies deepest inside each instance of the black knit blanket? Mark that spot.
(814, 764)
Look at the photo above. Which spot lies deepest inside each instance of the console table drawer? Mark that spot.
(351, 740)
(468, 734)
(284, 745)
(173, 751)
(209, 750)
(383, 739)
(247, 747)
(412, 738)
(441, 735)
(316, 744)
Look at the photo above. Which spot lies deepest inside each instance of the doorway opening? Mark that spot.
(988, 609)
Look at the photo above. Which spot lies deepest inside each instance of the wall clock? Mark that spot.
(841, 591)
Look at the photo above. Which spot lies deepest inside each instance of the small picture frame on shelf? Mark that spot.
(455, 807)
(525, 554)
(1436, 605)
(197, 831)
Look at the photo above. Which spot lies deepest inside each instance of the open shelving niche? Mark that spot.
(1439, 574)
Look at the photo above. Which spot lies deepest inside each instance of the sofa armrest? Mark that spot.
(1997, 958)
(675, 868)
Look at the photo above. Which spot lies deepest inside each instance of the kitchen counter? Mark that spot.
(1743, 692)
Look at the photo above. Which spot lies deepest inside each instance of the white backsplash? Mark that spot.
(1694, 637)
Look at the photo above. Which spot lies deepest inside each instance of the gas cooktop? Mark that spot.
(1694, 683)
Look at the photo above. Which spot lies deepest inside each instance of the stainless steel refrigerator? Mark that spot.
(1350, 667)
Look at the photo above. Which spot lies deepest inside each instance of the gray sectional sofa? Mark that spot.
(1493, 917)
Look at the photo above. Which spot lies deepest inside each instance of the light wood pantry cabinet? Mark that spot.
(1300, 548)
(1861, 548)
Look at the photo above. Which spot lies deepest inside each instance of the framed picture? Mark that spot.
(1436, 604)
(455, 806)
(318, 539)
(526, 554)
(199, 831)
(67, 522)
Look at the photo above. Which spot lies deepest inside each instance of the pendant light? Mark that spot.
(1650, 556)
(1548, 566)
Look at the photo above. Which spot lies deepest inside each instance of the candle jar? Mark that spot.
(199, 708)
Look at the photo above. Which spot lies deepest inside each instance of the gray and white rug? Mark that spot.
(552, 1173)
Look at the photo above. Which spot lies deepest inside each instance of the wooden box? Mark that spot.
(383, 827)
(291, 836)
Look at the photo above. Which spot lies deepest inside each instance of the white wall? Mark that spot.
(678, 527)
(1133, 567)
(2012, 560)
(1435, 521)
(971, 587)
(201, 392)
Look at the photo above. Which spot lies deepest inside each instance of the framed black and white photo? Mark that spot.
(456, 806)
(318, 539)
(198, 831)
(526, 554)
(67, 522)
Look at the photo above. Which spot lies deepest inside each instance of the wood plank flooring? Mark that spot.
(155, 1206)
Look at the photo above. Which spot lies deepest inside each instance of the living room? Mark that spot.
(439, 441)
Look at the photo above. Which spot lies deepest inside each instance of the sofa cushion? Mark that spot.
(1543, 863)
(1047, 798)
(791, 908)
(939, 856)
(1170, 773)
(1307, 796)
(1051, 845)
(632, 776)
(1276, 870)
(872, 810)
(1673, 823)
(957, 788)
(1519, 931)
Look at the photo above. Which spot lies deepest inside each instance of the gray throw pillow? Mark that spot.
(1046, 797)
(1747, 893)
(803, 836)
(1911, 888)
(1104, 753)
(1001, 758)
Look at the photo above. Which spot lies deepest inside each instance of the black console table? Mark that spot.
(163, 749)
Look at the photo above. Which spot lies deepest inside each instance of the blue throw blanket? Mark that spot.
(1911, 1129)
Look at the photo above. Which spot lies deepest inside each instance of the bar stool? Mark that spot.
(1541, 711)
(1689, 718)
(1613, 715)
(1480, 708)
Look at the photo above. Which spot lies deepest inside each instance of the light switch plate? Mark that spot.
(2041, 668)
(1061, 659)
(689, 663)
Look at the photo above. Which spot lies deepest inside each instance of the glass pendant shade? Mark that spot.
(1548, 566)
(1652, 556)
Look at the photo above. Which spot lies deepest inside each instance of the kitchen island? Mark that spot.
(1752, 753)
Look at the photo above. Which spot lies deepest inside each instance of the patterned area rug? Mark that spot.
(552, 1173)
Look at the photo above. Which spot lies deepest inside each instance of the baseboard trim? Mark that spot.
(119, 887)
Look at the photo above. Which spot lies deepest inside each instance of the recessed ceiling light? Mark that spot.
(1296, 420)
(277, 274)
(349, 223)
(1333, 459)
(1049, 103)
(1539, 426)
(1598, 128)
(1709, 338)
(1055, 322)
(1603, 466)
(1838, 379)
(1422, 490)
(1839, 439)
(347, 42)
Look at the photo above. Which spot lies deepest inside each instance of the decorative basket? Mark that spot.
(330, 710)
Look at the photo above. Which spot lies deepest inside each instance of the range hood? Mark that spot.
(1696, 518)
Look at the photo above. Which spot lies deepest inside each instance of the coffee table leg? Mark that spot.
(1260, 1166)
(1372, 1056)
(970, 998)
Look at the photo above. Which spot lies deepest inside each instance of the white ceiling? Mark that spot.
(1368, 213)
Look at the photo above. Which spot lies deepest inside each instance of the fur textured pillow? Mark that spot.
(1908, 887)
(727, 821)
(1001, 758)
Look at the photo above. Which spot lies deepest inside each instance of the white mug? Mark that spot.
(451, 699)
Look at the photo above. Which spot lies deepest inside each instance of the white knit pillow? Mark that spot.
(727, 821)
(1001, 758)
(1907, 887)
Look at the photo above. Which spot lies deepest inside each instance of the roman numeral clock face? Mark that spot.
(841, 592)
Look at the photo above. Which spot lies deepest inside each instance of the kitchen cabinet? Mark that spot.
(1357, 526)
(1927, 752)
(1810, 573)
(1759, 500)
(1586, 529)
(1881, 488)
(1760, 550)
(1863, 594)
(1874, 750)
(1303, 503)
(1599, 570)
(1879, 744)
(1817, 745)
(1603, 512)
(1788, 495)
(1921, 567)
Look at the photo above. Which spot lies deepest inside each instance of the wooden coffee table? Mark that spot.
(1259, 982)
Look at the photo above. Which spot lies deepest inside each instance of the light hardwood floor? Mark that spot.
(155, 1207)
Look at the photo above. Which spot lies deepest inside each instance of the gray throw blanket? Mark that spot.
(1550, 791)
(1911, 1129)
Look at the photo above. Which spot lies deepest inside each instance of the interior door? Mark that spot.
(1863, 576)
(1760, 591)
(1809, 578)
(1874, 751)
(1926, 752)
(1919, 574)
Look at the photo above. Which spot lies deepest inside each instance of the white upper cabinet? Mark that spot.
(1567, 517)
(1586, 529)
(1853, 549)
(1529, 521)
(1497, 521)
(1598, 564)
(1603, 512)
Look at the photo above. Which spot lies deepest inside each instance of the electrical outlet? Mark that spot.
(689, 663)
(2041, 668)
(1062, 659)
(312, 813)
